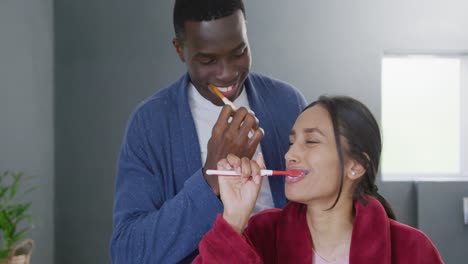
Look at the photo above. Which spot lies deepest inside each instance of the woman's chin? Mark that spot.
(293, 197)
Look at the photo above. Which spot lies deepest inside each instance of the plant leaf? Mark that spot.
(19, 235)
(12, 213)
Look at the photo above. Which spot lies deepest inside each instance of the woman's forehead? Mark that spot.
(316, 116)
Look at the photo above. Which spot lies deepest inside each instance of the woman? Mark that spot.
(335, 214)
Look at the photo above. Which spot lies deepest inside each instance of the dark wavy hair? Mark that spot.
(202, 10)
(353, 121)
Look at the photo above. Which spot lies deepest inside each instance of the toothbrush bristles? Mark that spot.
(295, 173)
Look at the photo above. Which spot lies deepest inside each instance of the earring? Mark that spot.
(353, 173)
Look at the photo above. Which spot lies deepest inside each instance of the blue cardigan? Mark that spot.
(163, 205)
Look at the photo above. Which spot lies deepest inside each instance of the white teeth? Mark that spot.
(225, 89)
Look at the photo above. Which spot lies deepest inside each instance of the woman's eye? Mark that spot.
(311, 142)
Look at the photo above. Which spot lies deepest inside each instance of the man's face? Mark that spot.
(216, 52)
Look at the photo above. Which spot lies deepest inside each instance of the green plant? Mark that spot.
(13, 213)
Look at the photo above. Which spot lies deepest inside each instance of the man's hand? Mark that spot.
(231, 136)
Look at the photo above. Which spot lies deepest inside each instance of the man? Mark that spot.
(164, 201)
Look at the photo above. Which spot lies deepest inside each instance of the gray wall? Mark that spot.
(440, 216)
(110, 55)
(26, 109)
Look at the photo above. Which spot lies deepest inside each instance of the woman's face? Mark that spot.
(313, 149)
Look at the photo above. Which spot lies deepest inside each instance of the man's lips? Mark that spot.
(227, 91)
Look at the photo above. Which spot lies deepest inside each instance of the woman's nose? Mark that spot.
(291, 156)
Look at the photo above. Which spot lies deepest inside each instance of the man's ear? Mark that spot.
(178, 45)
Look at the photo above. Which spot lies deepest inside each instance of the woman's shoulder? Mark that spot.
(268, 228)
(411, 234)
(266, 218)
(410, 242)
(269, 219)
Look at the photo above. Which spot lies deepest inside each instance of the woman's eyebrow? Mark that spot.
(313, 130)
(308, 130)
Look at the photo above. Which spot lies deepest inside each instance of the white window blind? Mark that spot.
(424, 119)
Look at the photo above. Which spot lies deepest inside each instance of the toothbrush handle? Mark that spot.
(228, 102)
(233, 173)
(222, 172)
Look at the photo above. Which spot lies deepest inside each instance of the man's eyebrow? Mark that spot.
(204, 54)
(207, 54)
(240, 46)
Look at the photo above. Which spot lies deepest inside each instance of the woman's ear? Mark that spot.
(354, 170)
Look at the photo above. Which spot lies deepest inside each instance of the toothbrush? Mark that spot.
(292, 173)
(222, 97)
(228, 102)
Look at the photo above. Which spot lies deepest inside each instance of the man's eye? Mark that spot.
(311, 142)
(206, 61)
(240, 53)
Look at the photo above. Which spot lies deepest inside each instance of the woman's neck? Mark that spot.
(331, 230)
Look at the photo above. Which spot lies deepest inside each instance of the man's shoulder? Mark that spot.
(274, 91)
(262, 80)
(274, 88)
(164, 101)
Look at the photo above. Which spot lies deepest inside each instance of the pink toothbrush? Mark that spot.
(293, 173)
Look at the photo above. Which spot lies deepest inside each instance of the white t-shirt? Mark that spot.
(205, 115)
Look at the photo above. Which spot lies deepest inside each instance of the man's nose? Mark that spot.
(226, 71)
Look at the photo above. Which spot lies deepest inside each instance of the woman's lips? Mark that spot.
(294, 179)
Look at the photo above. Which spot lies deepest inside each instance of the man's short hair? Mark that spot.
(202, 10)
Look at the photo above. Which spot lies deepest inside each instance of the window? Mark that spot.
(424, 118)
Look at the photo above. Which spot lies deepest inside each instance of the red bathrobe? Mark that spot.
(282, 236)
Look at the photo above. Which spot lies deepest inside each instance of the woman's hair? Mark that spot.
(353, 121)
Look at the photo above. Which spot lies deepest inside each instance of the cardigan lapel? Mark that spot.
(271, 142)
(190, 145)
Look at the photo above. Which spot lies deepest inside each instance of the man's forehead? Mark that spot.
(212, 39)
